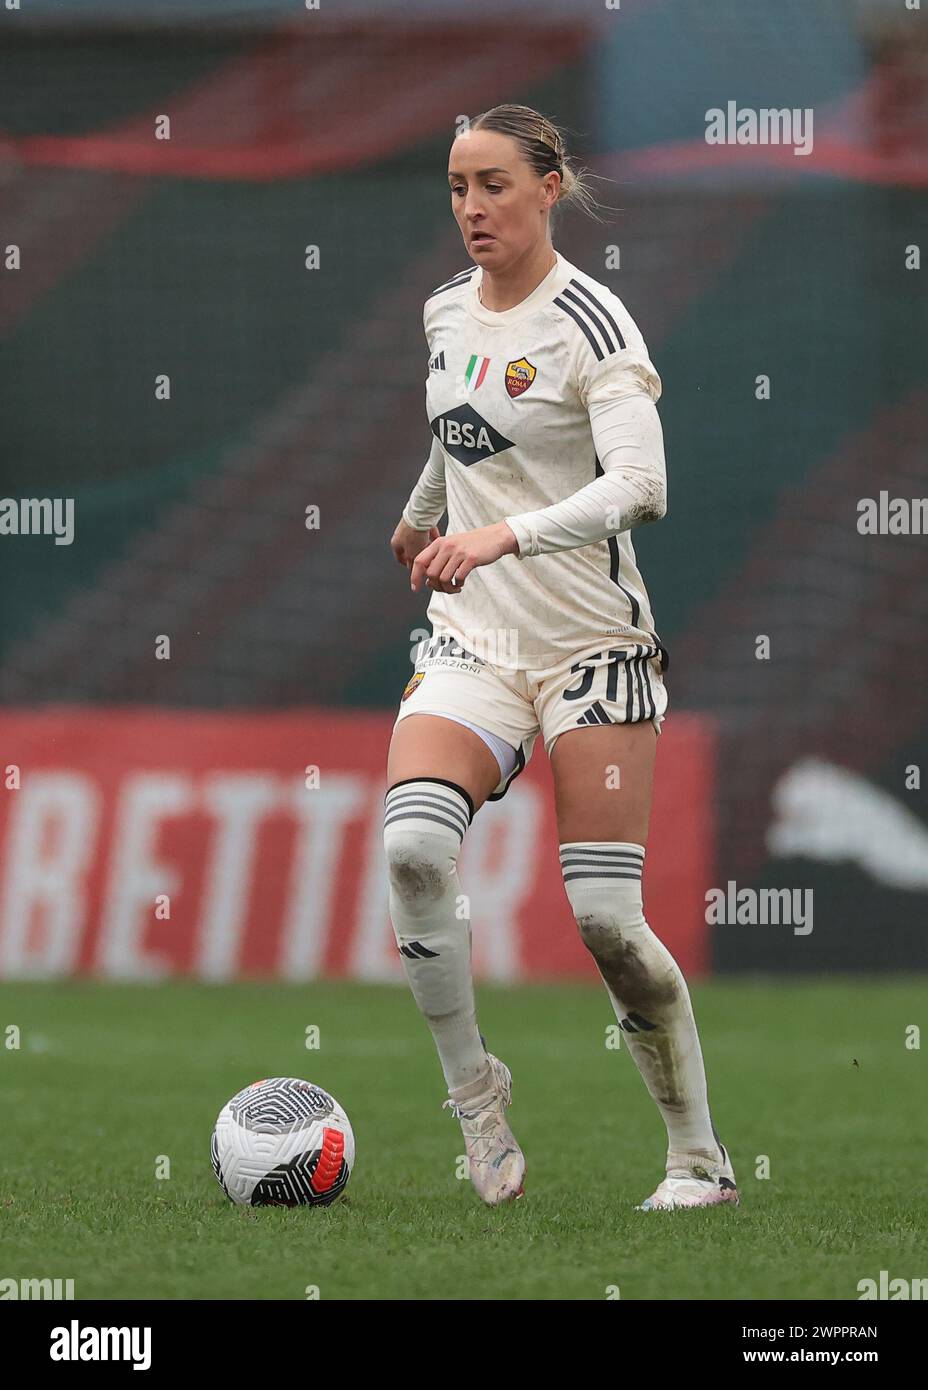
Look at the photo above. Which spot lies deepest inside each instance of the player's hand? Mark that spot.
(445, 563)
(406, 543)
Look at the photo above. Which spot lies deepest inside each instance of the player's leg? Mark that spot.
(440, 772)
(423, 742)
(603, 780)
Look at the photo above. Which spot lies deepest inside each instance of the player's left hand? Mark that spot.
(445, 563)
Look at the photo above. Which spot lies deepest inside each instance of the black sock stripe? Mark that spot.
(423, 815)
(600, 849)
(431, 803)
(568, 856)
(579, 862)
(442, 782)
(436, 798)
(600, 873)
(603, 856)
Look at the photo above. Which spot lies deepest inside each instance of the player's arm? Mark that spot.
(442, 563)
(620, 394)
(427, 500)
(424, 509)
(633, 489)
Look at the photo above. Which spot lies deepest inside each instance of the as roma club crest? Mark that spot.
(413, 682)
(519, 376)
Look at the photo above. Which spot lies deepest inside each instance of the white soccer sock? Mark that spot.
(647, 990)
(424, 827)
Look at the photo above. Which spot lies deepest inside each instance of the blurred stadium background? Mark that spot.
(142, 779)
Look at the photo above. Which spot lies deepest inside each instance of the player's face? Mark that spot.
(498, 200)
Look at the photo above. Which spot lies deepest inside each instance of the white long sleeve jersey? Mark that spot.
(544, 416)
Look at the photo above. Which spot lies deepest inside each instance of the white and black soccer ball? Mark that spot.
(282, 1142)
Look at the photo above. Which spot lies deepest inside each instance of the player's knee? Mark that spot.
(604, 890)
(418, 863)
(608, 922)
(603, 886)
(424, 826)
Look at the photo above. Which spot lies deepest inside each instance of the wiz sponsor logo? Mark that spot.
(76, 1343)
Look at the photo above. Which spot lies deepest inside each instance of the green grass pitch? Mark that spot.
(107, 1078)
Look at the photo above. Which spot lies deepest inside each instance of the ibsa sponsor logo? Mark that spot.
(467, 437)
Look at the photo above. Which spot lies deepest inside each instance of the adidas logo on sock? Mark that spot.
(634, 1023)
(415, 950)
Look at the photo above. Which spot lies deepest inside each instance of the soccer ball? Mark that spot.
(284, 1143)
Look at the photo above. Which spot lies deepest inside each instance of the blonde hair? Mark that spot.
(543, 145)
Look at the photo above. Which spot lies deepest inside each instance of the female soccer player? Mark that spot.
(547, 450)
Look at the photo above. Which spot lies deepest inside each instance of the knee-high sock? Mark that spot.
(424, 827)
(647, 990)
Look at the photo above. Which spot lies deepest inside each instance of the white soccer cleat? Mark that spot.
(495, 1161)
(695, 1187)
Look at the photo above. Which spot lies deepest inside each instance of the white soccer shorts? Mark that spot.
(610, 683)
